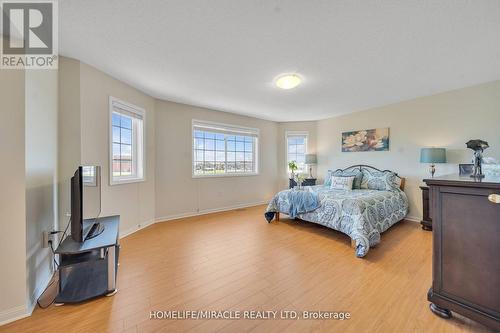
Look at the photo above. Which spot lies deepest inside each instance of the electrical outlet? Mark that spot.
(45, 239)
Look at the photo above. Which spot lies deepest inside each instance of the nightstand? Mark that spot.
(426, 219)
(306, 182)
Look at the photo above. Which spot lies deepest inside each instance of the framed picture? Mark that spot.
(465, 169)
(376, 139)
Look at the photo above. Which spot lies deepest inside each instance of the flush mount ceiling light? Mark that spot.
(288, 81)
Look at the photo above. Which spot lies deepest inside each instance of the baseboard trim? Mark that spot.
(413, 218)
(21, 312)
(208, 211)
(141, 226)
(13, 314)
(136, 228)
(38, 292)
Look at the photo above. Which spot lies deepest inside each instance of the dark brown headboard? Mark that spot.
(363, 166)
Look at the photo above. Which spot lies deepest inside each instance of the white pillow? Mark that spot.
(342, 183)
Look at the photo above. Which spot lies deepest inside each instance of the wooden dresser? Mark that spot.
(466, 248)
(426, 215)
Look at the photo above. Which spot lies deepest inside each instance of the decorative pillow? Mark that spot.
(379, 180)
(342, 183)
(357, 174)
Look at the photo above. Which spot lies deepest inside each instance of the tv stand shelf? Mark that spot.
(88, 269)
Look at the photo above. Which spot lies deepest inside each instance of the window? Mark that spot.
(126, 142)
(224, 150)
(296, 143)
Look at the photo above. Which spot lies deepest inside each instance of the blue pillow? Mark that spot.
(357, 174)
(380, 180)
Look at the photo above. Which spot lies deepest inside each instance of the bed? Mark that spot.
(363, 213)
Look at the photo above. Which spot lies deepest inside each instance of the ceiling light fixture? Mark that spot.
(288, 81)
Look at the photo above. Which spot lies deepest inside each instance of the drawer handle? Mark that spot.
(495, 198)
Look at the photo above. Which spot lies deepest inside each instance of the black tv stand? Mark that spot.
(95, 230)
(89, 269)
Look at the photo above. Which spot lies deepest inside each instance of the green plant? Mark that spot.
(292, 165)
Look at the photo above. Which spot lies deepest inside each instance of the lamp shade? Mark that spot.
(433, 155)
(311, 159)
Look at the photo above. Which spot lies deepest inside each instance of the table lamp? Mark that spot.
(433, 156)
(311, 160)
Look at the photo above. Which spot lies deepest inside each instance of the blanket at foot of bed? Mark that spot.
(294, 202)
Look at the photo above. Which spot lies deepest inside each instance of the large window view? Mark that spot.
(224, 150)
(297, 149)
(127, 142)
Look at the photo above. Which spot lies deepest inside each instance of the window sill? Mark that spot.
(226, 175)
(127, 181)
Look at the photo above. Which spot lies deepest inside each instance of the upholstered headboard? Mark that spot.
(360, 167)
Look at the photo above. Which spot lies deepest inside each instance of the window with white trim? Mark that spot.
(224, 150)
(127, 150)
(296, 147)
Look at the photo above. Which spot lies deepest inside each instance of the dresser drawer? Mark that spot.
(467, 247)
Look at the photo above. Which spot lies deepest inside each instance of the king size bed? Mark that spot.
(374, 202)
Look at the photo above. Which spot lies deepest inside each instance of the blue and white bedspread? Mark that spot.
(361, 214)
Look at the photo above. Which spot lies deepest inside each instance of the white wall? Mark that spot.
(177, 193)
(83, 139)
(41, 176)
(445, 120)
(69, 132)
(12, 196)
(83, 104)
(301, 126)
(135, 202)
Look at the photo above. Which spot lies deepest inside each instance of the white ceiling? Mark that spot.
(224, 54)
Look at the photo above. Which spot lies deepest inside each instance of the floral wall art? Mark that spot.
(366, 140)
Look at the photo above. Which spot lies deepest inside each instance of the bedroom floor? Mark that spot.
(235, 260)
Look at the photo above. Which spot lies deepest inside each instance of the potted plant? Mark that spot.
(292, 165)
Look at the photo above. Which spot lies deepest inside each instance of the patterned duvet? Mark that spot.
(361, 214)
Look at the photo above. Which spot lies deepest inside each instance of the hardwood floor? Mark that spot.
(236, 261)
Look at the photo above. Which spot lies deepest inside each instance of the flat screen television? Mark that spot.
(77, 206)
(83, 228)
